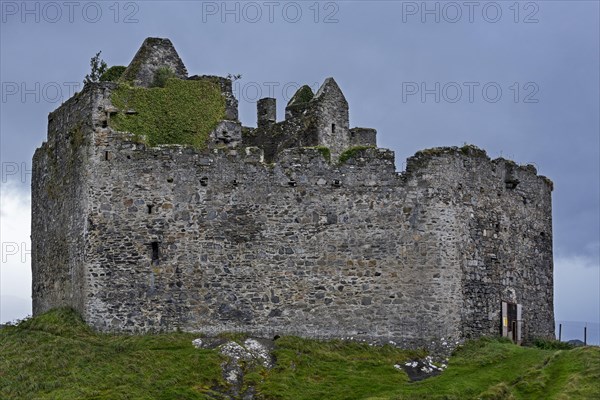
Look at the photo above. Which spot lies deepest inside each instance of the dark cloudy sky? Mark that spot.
(518, 79)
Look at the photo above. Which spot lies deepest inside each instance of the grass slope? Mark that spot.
(56, 356)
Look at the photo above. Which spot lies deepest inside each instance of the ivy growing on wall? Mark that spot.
(112, 74)
(181, 112)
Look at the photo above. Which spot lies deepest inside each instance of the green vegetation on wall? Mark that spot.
(301, 98)
(112, 74)
(98, 68)
(352, 152)
(324, 150)
(62, 164)
(467, 150)
(303, 95)
(183, 112)
(76, 136)
(161, 76)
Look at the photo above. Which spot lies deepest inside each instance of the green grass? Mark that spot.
(546, 344)
(308, 369)
(181, 112)
(56, 356)
(571, 374)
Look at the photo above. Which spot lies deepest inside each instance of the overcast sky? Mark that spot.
(518, 79)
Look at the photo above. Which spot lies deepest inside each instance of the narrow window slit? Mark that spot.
(155, 253)
(332, 128)
(150, 207)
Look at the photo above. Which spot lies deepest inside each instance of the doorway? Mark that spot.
(512, 321)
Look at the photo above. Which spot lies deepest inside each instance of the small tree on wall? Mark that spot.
(98, 67)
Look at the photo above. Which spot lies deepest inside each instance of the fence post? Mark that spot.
(585, 335)
(559, 332)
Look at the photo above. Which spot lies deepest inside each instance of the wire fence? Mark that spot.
(586, 332)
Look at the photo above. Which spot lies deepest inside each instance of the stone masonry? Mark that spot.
(267, 232)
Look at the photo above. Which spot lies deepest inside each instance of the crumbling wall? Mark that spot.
(275, 138)
(310, 120)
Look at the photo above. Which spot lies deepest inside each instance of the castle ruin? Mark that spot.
(154, 209)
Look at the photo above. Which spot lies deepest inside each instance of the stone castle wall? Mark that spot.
(506, 236)
(174, 238)
(59, 204)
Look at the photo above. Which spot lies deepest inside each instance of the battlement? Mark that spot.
(155, 83)
(472, 158)
(311, 120)
(153, 209)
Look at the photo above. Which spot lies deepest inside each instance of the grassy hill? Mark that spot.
(56, 356)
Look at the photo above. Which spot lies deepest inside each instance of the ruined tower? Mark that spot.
(153, 209)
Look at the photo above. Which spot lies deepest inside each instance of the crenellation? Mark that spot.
(292, 227)
(363, 137)
(266, 110)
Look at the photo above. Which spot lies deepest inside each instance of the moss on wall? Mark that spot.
(183, 112)
(300, 100)
(76, 136)
(302, 96)
(352, 152)
(324, 150)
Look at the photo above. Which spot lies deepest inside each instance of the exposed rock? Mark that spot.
(254, 352)
(418, 370)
